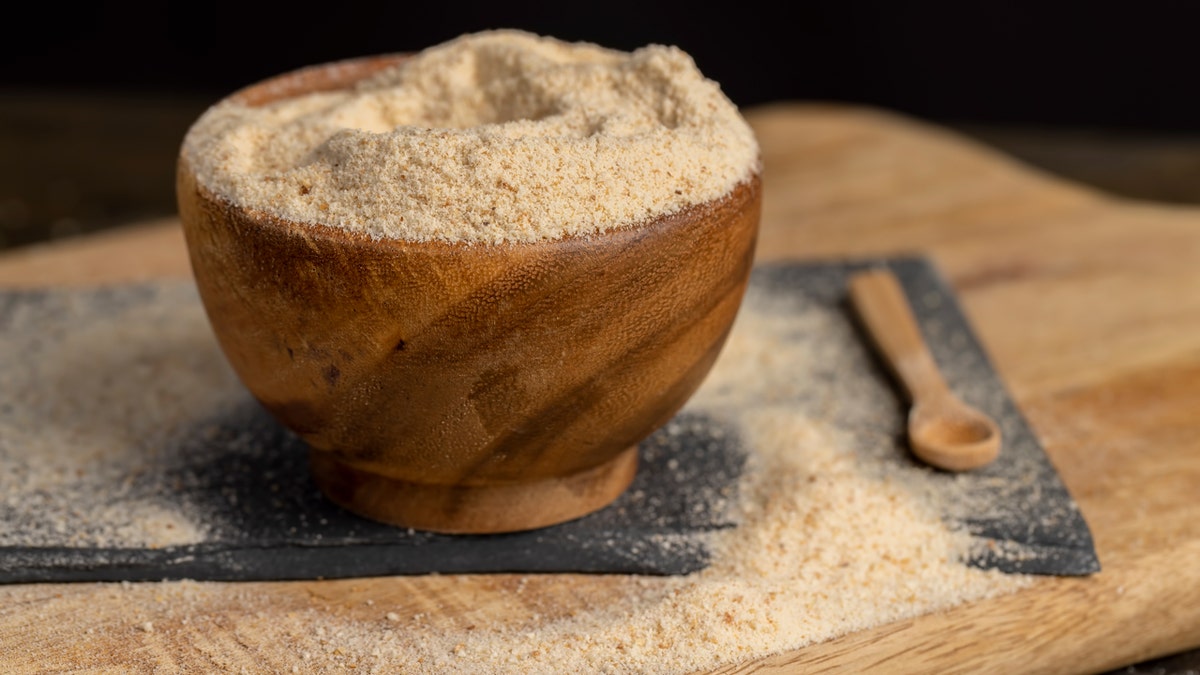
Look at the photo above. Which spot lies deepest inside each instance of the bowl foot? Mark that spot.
(473, 509)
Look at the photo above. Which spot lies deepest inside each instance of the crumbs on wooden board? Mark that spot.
(838, 533)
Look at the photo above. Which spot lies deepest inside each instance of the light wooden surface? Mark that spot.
(1089, 307)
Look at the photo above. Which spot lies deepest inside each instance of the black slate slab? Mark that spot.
(245, 478)
(1030, 522)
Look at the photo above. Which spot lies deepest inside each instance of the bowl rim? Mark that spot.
(341, 74)
(742, 194)
(317, 77)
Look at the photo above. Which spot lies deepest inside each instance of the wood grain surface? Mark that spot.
(1088, 305)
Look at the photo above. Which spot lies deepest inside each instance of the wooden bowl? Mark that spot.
(467, 388)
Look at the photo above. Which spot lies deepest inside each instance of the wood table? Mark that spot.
(1088, 305)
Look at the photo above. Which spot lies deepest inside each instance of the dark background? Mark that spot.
(1118, 64)
(95, 99)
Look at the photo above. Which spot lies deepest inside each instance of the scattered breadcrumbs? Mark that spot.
(87, 414)
(837, 535)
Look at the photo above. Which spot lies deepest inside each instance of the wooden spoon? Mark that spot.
(943, 431)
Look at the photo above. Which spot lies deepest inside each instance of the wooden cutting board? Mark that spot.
(1088, 305)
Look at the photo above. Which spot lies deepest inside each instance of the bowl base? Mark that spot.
(473, 509)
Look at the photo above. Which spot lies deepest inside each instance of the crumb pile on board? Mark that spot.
(839, 532)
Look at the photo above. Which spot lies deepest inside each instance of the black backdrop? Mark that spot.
(1118, 64)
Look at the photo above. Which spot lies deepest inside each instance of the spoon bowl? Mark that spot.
(953, 436)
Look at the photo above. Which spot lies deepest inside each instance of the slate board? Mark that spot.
(248, 477)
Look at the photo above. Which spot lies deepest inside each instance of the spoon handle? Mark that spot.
(881, 304)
